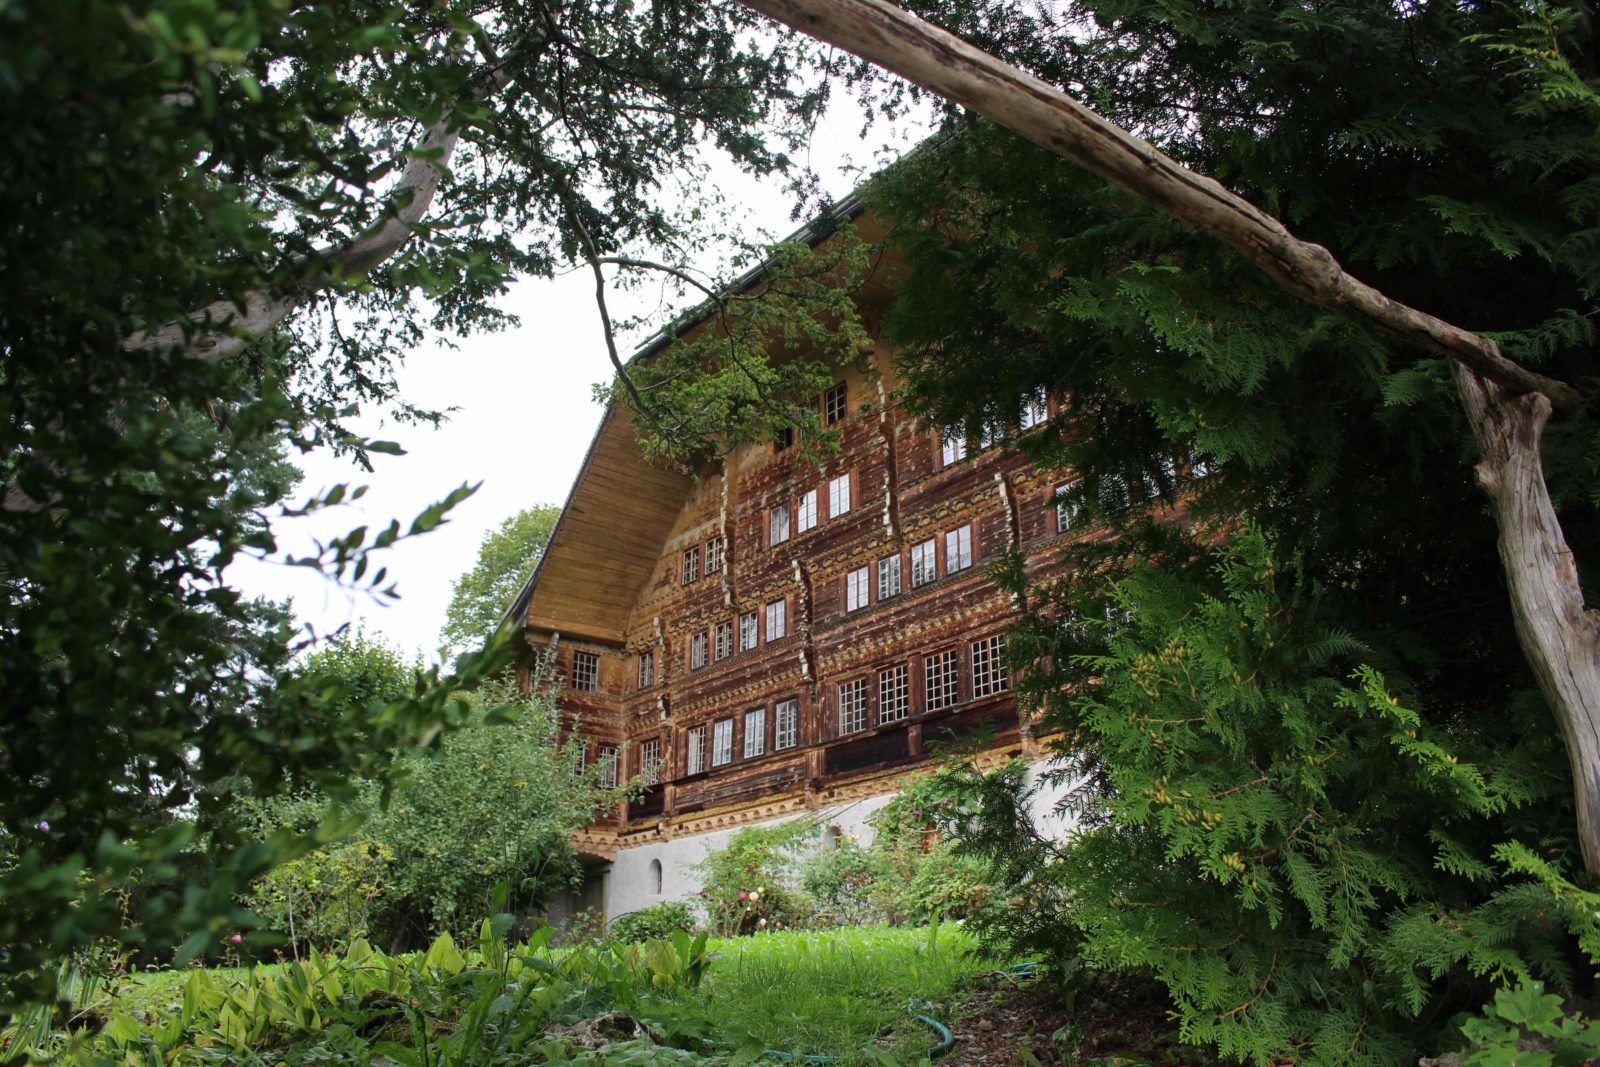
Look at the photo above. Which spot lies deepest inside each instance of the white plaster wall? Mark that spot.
(630, 884)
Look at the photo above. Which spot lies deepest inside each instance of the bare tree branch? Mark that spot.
(226, 327)
(939, 61)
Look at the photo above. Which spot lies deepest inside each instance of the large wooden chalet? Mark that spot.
(773, 636)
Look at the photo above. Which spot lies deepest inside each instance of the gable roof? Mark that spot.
(621, 509)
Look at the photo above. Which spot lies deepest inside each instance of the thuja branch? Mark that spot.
(898, 41)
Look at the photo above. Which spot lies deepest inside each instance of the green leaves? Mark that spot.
(1526, 1027)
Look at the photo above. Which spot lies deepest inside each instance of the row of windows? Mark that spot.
(941, 673)
(717, 643)
(785, 734)
(784, 522)
(953, 443)
(858, 584)
(941, 685)
(714, 555)
(835, 406)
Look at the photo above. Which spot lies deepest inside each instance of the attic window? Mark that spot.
(586, 671)
(834, 404)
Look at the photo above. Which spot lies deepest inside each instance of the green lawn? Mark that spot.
(842, 993)
(833, 992)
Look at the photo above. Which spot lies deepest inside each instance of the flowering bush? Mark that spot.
(749, 885)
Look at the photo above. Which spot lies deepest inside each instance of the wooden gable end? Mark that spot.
(609, 538)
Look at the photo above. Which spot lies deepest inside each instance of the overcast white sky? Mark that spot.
(524, 418)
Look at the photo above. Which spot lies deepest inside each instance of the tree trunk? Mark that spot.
(1560, 638)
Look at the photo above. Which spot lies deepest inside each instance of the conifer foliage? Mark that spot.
(1323, 801)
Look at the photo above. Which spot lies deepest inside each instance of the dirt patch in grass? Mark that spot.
(1110, 1021)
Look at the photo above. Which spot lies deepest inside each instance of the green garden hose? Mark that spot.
(947, 1040)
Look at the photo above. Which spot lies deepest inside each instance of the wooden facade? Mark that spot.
(872, 627)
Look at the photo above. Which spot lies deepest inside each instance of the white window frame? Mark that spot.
(647, 669)
(699, 644)
(958, 549)
(786, 724)
(694, 753)
(835, 412)
(606, 760)
(777, 620)
(852, 706)
(889, 577)
(894, 693)
(1035, 411)
(722, 642)
(749, 631)
(716, 550)
(755, 733)
(1068, 510)
(924, 563)
(805, 513)
(691, 565)
(857, 588)
(839, 495)
(941, 676)
(989, 667)
(991, 433)
(952, 448)
(585, 671)
(777, 525)
(650, 761)
(722, 742)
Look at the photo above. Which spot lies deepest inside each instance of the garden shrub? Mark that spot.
(653, 923)
(846, 885)
(1234, 845)
(749, 885)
